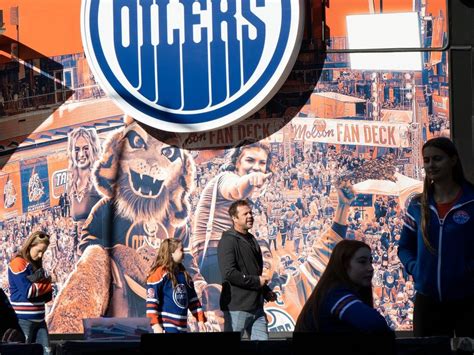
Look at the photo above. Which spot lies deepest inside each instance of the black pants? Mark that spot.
(433, 318)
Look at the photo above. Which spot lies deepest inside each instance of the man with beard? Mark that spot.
(244, 288)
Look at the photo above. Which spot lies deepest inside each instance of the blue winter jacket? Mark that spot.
(342, 311)
(447, 274)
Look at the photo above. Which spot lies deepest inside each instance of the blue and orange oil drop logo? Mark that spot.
(191, 65)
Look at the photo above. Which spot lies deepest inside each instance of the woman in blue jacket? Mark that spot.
(342, 302)
(437, 245)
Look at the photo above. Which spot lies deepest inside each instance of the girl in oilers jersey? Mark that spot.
(170, 291)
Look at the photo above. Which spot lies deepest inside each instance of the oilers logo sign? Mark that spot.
(191, 65)
(279, 320)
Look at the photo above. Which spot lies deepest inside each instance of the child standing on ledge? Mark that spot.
(170, 292)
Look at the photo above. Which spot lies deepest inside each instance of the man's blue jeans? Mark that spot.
(254, 323)
(36, 332)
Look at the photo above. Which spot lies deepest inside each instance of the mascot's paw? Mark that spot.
(130, 263)
(85, 293)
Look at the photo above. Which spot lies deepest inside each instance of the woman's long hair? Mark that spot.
(35, 238)
(334, 275)
(448, 147)
(92, 139)
(165, 259)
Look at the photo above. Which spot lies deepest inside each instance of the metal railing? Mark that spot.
(49, 100)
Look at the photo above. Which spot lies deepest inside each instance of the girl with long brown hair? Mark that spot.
(84, 150)
(31, 288)
(342, 300)
(170, 291)
(437, 245)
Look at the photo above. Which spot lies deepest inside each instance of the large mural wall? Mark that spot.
(334, 145)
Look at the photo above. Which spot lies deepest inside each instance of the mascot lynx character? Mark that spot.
(146, 185)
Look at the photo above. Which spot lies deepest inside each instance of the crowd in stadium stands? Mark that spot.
(437, 125)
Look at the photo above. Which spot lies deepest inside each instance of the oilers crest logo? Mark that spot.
(180, 296)
(280, 320)
(461, 217)
(191, 65)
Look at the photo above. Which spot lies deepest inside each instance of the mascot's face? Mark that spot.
(150, 165)
(148, 178)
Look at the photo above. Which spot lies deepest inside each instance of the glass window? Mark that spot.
(381, 25)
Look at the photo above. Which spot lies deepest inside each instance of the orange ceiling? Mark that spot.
(51, 27)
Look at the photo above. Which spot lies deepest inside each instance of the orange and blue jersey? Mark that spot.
(168, 305)
(27, 298)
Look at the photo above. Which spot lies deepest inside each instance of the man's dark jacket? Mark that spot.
(241, 264)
